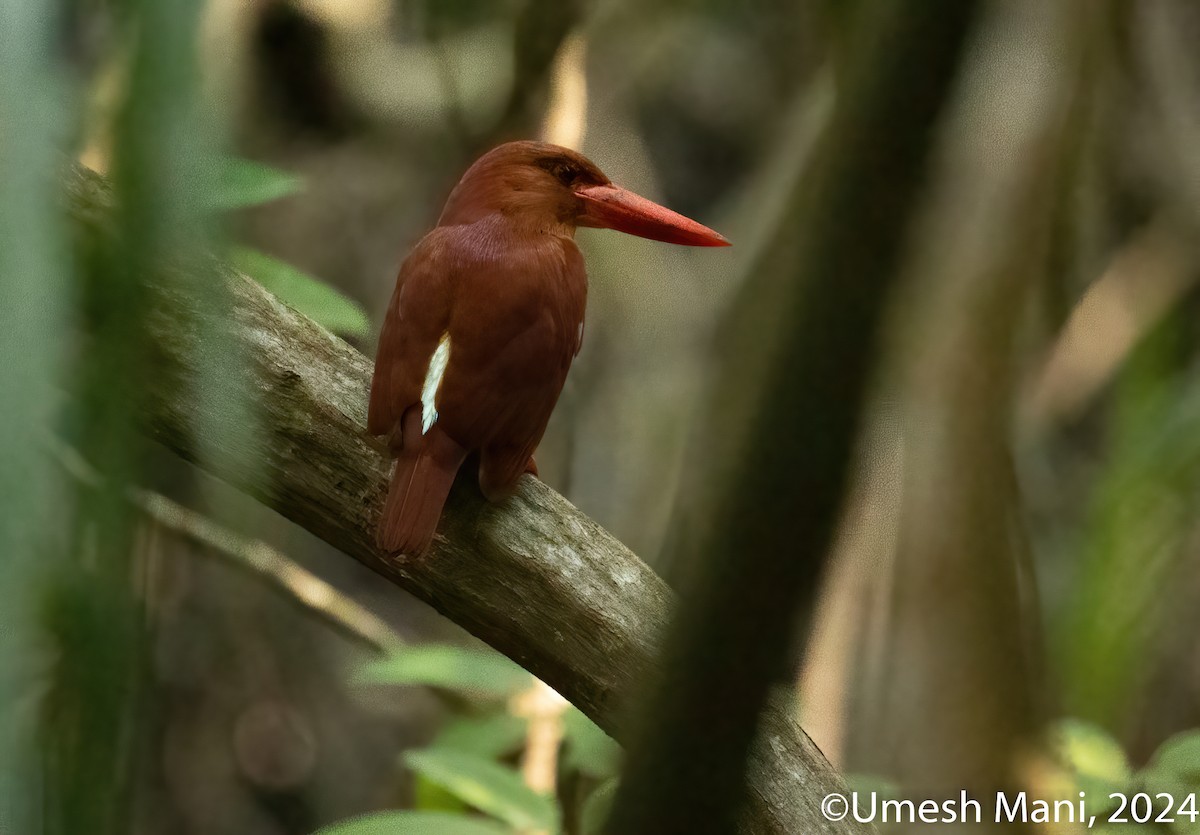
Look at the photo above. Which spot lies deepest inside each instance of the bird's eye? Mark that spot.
(562, 170)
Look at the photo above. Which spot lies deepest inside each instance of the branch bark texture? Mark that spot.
(533, 577)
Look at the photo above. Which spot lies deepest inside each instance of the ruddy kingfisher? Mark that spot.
(483, 324)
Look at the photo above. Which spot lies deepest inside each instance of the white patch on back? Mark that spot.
(433, 381)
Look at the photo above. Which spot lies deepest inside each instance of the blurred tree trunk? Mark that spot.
(781, 425)
(948, 694)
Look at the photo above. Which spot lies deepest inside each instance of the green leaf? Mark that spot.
(455, 668)
(1175, 770)
(299, 290)
(1180, 755)
(492, 735)
(1096, 759)
(428, 796)
(589, 749)
(597, 806)
(487, 786)
(242, 183)
(414, 823)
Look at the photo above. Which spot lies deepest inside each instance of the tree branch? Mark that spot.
(534, 577)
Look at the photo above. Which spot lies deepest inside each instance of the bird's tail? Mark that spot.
(424, 473)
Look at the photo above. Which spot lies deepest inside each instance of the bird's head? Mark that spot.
(544, 185)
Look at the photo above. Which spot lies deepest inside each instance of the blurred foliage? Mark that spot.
(1093, 763)
(310, 296)
(494, 735)
(589, 749)
(93, 731)
(414, 823)
(475, 672)
(1095, 760)
(36, 296)
(486, 786)
(1138, 541)
(467, 766)
(1084, 761)
(244, 184)
(596, 808)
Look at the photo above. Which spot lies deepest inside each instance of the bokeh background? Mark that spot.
(1014, 588)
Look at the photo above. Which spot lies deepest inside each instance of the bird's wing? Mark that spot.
(418, 316)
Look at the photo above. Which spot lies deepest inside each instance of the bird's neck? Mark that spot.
(495, 234)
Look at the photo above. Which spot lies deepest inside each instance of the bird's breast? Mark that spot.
(527, 288)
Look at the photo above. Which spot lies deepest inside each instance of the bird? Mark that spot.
(485, 319)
